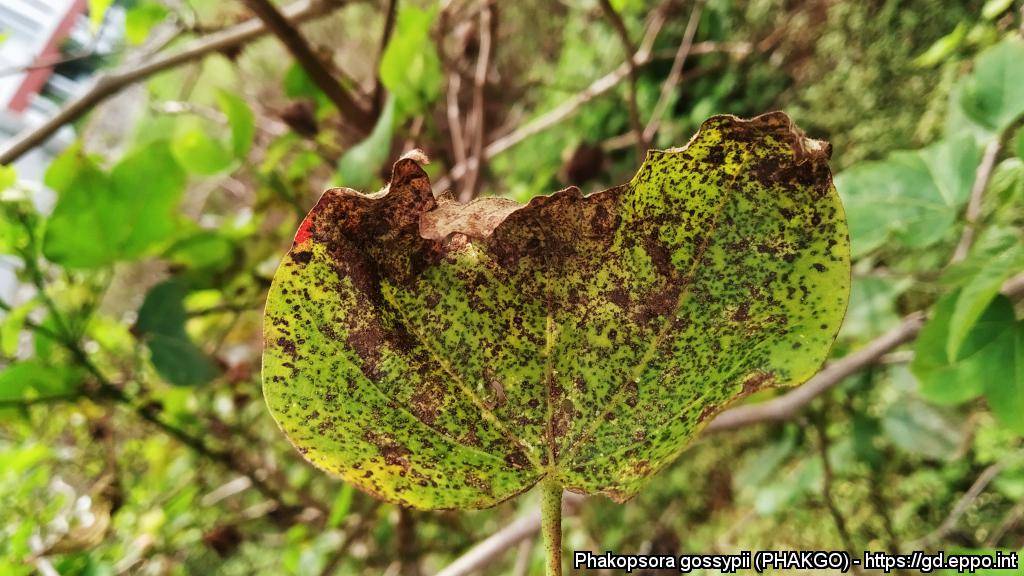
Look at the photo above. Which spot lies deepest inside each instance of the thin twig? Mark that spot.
(454, 121)
(960, 508)
(522, 564)
(476, 127)
(675, 74)
(786, 406)
(1012, 518)
(113, 82)
(385, 37)
(634, 112)
(304, 54)
(495, 545)
(973, 212)
(827, 479)
(551, 118)
(45, 63)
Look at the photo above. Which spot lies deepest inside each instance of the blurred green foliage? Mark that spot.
(133, 438)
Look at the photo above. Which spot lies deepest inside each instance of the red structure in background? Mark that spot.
(36, 78)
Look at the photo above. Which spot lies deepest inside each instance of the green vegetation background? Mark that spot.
(144, 332)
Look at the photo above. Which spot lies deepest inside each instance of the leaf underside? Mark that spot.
(450, 356)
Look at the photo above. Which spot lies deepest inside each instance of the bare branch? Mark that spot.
(476, 126)
(960, 508)
(675, 74)
(827, 480)
(600, 86)
(385, 37)
(973, 213)
(786, 406)
(454, 123)
(627, 44)
(789, 404)
(109, 84)
(495, 545)
(304, 54)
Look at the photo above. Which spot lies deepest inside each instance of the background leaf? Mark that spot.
(241, 120)
(993, 95)
(100, 218)
(161, 324)
(360, 167)
(197, 151)
(911, 197)
(410, 68)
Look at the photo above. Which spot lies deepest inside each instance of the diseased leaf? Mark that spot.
(450, 356)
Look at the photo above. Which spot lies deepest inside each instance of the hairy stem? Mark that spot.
(551, 525)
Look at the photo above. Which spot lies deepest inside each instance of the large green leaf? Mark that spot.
(1004, 379)
(912, 197)
(101, 218)
(978, 292)
(993, 94)
(949, 379)
(450, 356)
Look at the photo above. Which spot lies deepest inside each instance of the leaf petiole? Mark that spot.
(551, 525)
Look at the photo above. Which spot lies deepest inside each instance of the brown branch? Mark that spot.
(960, 508)
(551, 118)
(827, 479)
(476, 126)
(389, 27)
(497, 544)
(454, 123)
(784, 407)
(634, 112)
(675, 74)
(304, 54)
(113, 82)
(973, 212)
